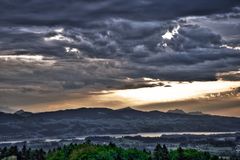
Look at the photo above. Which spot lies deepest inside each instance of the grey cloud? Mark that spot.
(48, 12)
(196, 50)
(114, 40)
(6, 109)
(229, 76)
(139, 83)
(195, 36)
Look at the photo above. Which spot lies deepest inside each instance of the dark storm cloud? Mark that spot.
(101, 44)
(74, 12)
(118, 48)
(140, 83)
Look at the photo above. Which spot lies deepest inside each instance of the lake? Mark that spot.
(154, 134)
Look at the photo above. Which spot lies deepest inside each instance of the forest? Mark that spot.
(89, 151)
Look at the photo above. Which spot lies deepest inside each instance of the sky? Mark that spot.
(147, 54)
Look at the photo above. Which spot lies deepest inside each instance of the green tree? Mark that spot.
(165, 153)
(24, 153)
(180, 152)
(112, 145)
(3, 152)
(214, 158)
(41, 154)
(158, 152)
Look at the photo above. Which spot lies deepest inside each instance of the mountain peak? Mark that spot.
(126, 109)
(19, 111)
(177, 111)
(23, 113)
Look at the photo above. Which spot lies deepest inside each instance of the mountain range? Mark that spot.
(96, 121)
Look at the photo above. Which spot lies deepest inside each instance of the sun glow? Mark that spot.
(177, 91)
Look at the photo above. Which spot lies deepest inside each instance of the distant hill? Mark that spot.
(23, 113)
(179, 111)
(92, 121)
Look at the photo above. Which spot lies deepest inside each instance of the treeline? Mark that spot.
(88, 151)
(14, 153)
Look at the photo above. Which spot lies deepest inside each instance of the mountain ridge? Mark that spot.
(92, 121)
(173, 111)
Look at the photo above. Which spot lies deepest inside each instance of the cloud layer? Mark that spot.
(47, 47)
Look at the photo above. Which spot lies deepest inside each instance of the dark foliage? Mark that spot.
(88, 151)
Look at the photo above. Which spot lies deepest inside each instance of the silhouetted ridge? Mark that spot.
(23, 113)
(92, 121)
(177, 111)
